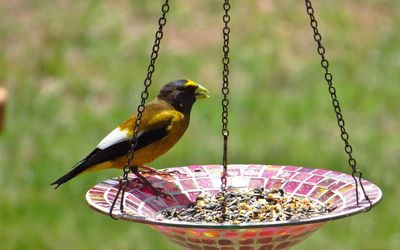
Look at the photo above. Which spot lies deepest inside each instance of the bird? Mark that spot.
(164, 121)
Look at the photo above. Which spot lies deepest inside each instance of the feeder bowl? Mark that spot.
(323, 186)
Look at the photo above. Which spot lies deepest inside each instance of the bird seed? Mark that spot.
(246, 206)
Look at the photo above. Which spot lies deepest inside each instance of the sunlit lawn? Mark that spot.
(74, 70)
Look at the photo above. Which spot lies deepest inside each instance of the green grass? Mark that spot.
(74, 70)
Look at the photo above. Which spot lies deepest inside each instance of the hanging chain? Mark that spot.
(335, 102)
(123, 183)
(225, 91)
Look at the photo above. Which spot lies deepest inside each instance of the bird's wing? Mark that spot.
(152, 128)
(114, 137)
(117, 142)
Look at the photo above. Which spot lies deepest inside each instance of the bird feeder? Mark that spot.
(348, 194)
(324, 186)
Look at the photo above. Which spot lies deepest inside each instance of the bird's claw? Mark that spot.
(152, 171)
(158, 191)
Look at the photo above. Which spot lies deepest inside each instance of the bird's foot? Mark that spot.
(153, 171)
(160, 192)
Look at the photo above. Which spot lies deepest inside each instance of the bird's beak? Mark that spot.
(201, 92)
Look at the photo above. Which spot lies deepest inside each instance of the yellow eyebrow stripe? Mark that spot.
(190, 83)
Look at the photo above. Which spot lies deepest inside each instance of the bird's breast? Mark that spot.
(176, 129)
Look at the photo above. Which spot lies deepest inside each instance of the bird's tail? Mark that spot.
(78, 169)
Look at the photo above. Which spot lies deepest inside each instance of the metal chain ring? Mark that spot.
(225, 91)
(335, 103)
(123, 183)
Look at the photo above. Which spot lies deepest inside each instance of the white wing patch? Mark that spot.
(115, 136)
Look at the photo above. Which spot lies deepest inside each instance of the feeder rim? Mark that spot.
(364, 206)
(169, 223)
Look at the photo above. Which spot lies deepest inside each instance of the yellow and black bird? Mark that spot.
(164, 121)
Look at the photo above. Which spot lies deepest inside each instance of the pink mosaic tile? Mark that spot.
(210, 248)
(305, 170)
(246, 248)
(188, 184)
(208, 241)
(193, 195)
(290, 168)
(326, 196)
(252, 170)
(234, 172)
(183, 198)
(337, 185)
(335, 174)
(246, 242)
(172, 202)
(274, 183)
(171, 187)
(205, 183)
(269, 173)
(231, 234)
(318, 192)
(326, 182)
(266, 247)
(305, 189)
(264, 240)
(301, 176)
(291, 186)
(286, 174)
(136, 193)
(197, 171)
(132, 205)
(256, 182)
(346, 188)
(315, 178)
(283, 245)
(194, 240)
(249, 234)
(320, 171)
(281, 238)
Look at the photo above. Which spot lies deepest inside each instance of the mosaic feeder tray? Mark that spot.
(324, 186)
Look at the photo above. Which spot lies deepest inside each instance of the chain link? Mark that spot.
(335, 103)
(225, 91)
(123, 183)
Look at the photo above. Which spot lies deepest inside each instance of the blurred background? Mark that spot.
(74, 70)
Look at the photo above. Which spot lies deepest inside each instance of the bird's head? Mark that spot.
(182, 94)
